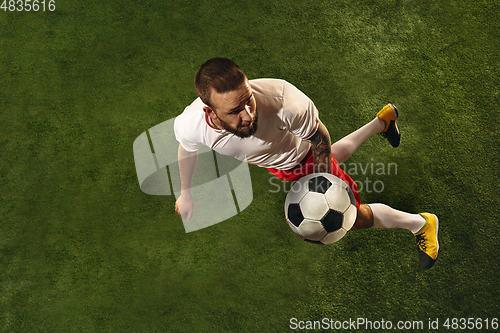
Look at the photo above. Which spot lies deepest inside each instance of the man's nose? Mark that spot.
(245, 115)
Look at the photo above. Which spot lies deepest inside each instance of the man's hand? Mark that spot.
(184, 207)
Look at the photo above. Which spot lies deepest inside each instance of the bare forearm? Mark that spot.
(321, 149)
(187, 165)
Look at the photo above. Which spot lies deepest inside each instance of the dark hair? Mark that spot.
(221, 74)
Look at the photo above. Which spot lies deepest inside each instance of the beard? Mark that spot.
(242, 131)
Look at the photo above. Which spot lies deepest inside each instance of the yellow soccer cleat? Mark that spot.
(389, 114)
(427, 240)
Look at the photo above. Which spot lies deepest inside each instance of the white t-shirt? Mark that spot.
(287, 117)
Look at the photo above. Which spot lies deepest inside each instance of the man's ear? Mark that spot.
(209, 112)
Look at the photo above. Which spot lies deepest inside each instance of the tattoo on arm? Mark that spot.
(321, 149)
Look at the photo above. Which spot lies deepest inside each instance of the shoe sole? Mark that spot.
(394, 109)
(395, 139)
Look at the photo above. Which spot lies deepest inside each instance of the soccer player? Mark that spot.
(272, 124)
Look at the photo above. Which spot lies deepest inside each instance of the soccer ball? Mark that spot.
(320, 208)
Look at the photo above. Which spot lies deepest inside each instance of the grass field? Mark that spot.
(82, 249)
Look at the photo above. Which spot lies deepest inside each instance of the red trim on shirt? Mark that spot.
(314, 131)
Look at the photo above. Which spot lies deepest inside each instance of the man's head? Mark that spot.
(225, 89)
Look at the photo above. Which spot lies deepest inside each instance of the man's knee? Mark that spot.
(364, 219)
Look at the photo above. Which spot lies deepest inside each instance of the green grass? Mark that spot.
(82, 249)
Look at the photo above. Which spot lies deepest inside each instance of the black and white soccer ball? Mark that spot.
(320, 208)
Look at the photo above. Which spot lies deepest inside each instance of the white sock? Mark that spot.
(388, 218)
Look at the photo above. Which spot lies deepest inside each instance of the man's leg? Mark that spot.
(385, 217)
(345, 147)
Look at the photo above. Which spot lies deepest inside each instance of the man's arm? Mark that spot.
(321, 149)
(187, 164)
